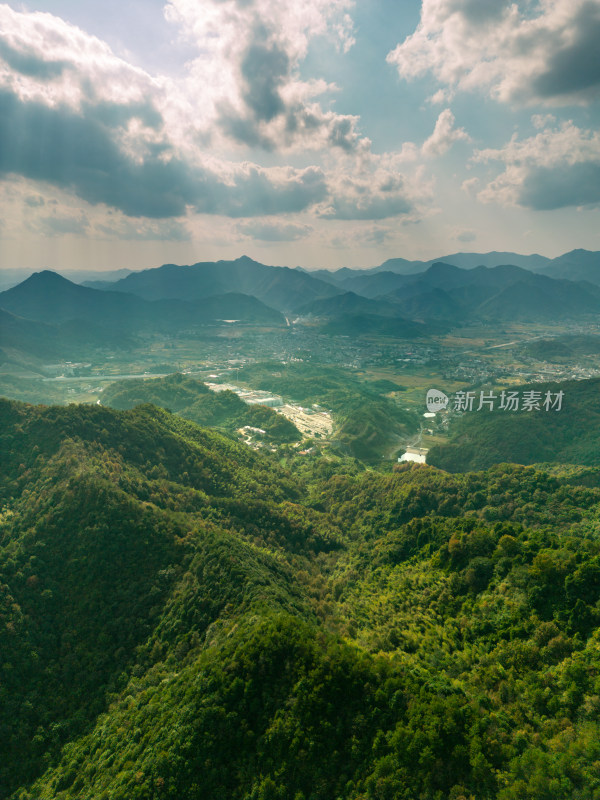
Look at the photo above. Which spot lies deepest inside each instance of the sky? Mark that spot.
(318, 133)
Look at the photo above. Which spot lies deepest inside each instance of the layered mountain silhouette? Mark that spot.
(445, 292)
(50, 298)
(493, 293)
(403, 266)
(175, 298)
(578, 265)
(278, 287)
(442, 291)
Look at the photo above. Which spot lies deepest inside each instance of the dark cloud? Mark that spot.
(548, 188)
(343, 134)
(299, 118)
(244, 130)
(576, 68)
(30, 63)
(255, 194)
(269, 122)
(327, 128)
(264, 69)
(78, 152)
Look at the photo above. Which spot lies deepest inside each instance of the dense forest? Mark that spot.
(570, 435)
(367, 423)
(185, 618)
(195, 401)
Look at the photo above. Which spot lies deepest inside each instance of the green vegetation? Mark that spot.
(182, 618)
(384, 385)
(30, 390)
(369, 424)
(174, 392)
(194, 401)
(569, 436)
(372, 428)
(563, 348)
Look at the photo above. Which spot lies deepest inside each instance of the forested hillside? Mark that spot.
(184, 618)
(194, 401)
(570, 435)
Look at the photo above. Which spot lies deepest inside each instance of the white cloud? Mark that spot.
(377, 187)
(271, 230)
(525, 51)
(115, 135)
(118, 137)
(444, 135)
(246, 73)
(45, 59)
(556, 168)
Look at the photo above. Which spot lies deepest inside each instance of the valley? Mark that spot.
(299, 400)
(399, 370)
(217, 580)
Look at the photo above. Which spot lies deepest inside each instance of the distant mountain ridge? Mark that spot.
(581, 265)
(403, 266)
(501, 293)
(50, 298)
(575, 265)
(12, 277)
(351, 301)
(575, 260)
(379, 301)
(278, 287)
(468, 261)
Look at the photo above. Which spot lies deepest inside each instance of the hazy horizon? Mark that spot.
(111, 269)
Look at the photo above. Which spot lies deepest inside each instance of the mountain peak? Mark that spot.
(579, 251)
(44, 281)
(47, 276)
(245, 260)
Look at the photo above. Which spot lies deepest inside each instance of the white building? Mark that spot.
(416, 454)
